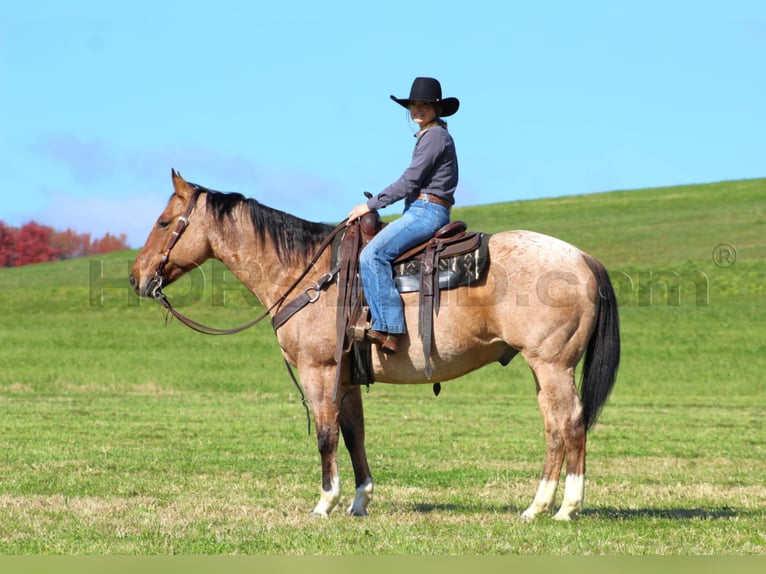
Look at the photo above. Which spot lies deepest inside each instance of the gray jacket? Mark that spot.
(433, 170)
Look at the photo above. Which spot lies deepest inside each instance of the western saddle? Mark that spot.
(453, 257)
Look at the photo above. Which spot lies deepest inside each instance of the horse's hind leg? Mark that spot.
(352, 427)
(564, 437)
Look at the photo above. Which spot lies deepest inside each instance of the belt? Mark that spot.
(434, 199)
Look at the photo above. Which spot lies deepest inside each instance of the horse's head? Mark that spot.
(176, 244)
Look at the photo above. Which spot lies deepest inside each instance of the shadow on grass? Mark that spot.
(425, 508)
(608, 513)
(667, 513)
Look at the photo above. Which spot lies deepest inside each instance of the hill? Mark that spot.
(124, 435)
(651, 226)
(694, 253)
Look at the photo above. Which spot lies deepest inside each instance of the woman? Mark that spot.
(427, 187)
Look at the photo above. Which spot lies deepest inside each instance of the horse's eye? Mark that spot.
(162, 224)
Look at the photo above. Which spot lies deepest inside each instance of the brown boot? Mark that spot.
(388, 342)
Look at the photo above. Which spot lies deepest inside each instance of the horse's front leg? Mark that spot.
(352, 427)
(318, 384)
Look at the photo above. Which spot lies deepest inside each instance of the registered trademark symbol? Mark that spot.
(725, 255)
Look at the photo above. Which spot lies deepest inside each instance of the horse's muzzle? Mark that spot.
(149, 289)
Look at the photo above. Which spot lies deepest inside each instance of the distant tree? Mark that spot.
(33, 244)
(7, 250)
(109, 243)
(71, 244)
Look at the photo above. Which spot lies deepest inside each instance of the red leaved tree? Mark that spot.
(109, 243)
(70, 243)
(33, 244)
(7, 252)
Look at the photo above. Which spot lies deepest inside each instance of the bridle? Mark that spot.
(159, 279)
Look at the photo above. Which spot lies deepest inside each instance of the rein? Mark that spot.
(159, 279)
(291, 308)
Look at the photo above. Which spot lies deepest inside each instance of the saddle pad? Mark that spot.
(454, 271)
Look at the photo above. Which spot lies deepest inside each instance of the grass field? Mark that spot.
(122, 435)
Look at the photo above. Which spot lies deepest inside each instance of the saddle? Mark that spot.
(452, 258)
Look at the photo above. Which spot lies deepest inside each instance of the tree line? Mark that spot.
(36, 243)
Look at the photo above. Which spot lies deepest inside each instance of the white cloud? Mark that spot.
(86, 161)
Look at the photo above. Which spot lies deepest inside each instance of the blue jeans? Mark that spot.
(420, 220)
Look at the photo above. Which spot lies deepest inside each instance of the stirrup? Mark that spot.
(357, 332)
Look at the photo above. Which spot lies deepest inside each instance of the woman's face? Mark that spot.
(422, 113)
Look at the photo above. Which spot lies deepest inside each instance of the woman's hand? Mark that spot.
(357, 212)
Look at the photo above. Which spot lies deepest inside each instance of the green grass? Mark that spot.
(122, 435)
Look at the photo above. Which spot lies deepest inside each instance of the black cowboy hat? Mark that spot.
(429, 90)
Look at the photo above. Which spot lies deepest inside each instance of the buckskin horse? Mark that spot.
(540, 297)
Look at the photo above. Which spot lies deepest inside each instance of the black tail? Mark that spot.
(602, 357)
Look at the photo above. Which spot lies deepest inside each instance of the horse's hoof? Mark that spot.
(530, 514)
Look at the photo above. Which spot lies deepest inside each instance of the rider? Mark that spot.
(427, 187)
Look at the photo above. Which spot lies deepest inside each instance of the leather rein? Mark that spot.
(159, 278)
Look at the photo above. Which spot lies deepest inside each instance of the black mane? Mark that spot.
(293, 237)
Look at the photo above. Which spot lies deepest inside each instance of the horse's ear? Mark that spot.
(183, 189)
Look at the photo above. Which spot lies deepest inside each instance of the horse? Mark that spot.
(540, 297)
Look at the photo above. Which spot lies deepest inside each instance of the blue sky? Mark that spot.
(288, 101)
